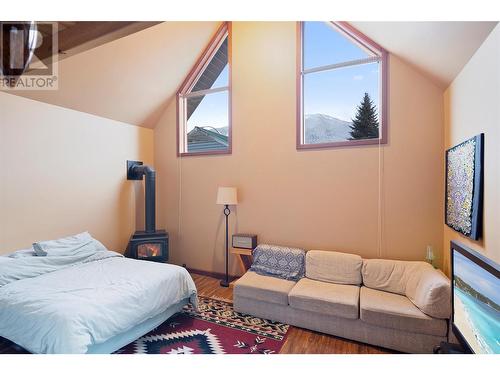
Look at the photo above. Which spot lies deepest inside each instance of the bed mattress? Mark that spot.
(78, 307)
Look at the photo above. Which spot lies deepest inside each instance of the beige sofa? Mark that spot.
(393, 304)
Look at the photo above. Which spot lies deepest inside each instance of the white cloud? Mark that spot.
(358, 77)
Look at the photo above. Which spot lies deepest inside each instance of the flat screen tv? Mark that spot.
(475, 300)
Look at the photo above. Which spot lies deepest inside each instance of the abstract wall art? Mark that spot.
(464, 187)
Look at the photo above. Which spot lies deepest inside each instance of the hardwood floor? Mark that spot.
(299, 341)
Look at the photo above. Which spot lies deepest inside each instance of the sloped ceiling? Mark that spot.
(439, 49)
(133, 78)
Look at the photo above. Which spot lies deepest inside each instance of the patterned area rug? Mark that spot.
(214, 329)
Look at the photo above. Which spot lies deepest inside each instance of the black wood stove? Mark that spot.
(149, 244)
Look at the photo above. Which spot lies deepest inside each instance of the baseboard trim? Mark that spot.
(215, 275)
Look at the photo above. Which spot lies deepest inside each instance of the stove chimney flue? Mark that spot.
(135, 171)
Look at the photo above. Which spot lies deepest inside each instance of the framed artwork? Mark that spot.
(464, 187)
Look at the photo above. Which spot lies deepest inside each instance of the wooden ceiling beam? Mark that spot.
(76, 37)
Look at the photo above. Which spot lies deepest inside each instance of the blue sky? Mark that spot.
(477, 277)
(212, 111)
(336, 93)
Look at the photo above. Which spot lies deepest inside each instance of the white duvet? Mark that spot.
(57, 305)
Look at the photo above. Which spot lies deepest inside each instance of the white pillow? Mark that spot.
(22, 253)
(64, 246)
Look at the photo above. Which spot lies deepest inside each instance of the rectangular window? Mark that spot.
(341, 83)
(204, 102)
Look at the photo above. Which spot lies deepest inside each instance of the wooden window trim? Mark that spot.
(372, 46)
(192, 78)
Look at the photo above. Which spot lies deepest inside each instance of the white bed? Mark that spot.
(93, 302)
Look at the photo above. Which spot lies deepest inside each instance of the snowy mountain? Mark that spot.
(320, 128)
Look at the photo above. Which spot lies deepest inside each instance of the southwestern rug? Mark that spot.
(214, 329)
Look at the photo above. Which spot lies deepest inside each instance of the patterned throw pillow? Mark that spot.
(284, 262)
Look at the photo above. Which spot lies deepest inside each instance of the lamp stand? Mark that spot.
(225, 282)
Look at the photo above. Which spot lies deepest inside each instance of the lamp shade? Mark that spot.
(227, 195)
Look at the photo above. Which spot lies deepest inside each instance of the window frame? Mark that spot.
(364, 42)
(187, 85)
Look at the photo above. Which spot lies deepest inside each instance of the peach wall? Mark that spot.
(471, 107)
(64, 172)
(324, 199)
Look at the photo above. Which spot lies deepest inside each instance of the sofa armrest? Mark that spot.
(430, 290)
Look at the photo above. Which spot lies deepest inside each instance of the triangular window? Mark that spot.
(204, 100)
(324, 44)
(342, 83)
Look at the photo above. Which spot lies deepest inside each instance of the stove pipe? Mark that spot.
(135, 171)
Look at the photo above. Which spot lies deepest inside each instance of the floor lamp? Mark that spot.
(227, 196)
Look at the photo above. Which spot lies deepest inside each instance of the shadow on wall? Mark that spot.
(130, 199)
(123, 207)
(144, 148)
(219, 247)
(151, 120)
(139, 205)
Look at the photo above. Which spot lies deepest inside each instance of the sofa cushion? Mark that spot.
(394, 311)
(263, 288)
(334, 267)
(430, 291)
(388, 275)
(326, 298)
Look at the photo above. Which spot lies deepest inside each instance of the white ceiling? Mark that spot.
(132, 79)
(439, 49)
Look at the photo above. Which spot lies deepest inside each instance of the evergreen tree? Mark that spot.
(365, 124)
